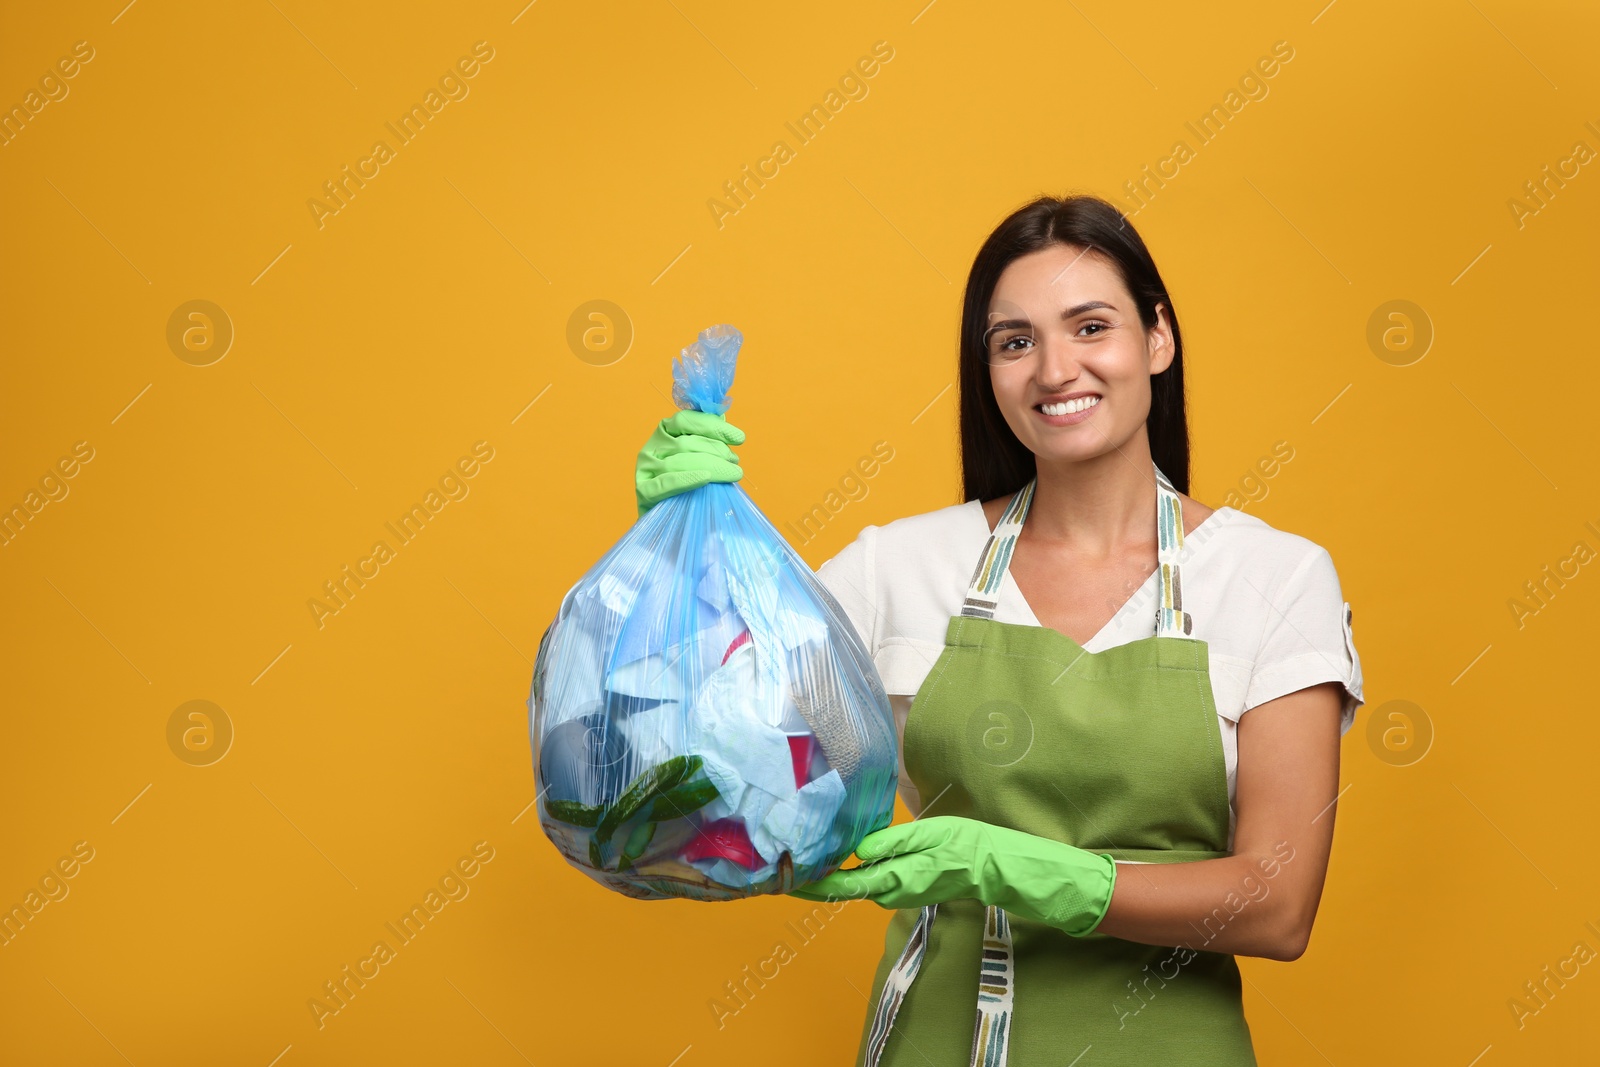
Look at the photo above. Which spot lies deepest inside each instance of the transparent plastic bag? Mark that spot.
(706, 721)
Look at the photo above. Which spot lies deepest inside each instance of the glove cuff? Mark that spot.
(1085, 899)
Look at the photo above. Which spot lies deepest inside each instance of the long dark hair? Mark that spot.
(993, 462)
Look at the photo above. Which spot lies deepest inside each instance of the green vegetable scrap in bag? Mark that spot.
(651, 783)
(665, 787)
(683, 800)
(570, 811)
(638, 841)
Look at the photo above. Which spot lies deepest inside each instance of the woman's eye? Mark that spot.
(1006, 344)
(1103, 327)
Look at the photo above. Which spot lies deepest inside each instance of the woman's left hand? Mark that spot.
(946, 857)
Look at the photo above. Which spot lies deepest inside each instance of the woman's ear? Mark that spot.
(1161, 348)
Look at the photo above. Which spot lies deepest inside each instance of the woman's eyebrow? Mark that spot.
(1071, 313)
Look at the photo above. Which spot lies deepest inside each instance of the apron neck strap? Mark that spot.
(995, 561)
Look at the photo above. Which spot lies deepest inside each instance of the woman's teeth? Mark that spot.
(1070, 406)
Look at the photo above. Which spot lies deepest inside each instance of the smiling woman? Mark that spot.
(1090, 792)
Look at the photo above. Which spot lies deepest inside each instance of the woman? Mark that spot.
(1100, 828)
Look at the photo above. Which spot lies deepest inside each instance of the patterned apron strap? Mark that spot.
(996, 996)
(1171, 619)
(897, 984)
(983, 593)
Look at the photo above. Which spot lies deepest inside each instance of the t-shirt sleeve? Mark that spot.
(1308, 640)
(849, 577)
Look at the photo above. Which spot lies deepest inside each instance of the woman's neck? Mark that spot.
(1099, 507)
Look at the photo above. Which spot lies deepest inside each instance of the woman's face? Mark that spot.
(1063, 333)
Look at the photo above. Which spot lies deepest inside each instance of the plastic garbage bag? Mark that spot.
(706, 721)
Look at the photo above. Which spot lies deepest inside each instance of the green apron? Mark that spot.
(1118, 752)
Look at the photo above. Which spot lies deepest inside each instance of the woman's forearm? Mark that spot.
(1247, 904)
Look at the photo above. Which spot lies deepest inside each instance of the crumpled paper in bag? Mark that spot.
(733, 727)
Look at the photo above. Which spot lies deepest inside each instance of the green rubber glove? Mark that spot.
(946, 857)
(687, 450)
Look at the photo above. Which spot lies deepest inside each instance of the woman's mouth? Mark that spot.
(1068, 412)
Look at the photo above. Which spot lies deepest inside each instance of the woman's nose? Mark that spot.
(1056, 362)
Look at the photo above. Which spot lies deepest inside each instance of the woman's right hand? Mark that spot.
(687, 450)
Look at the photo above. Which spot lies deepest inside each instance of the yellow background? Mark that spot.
(371, 352)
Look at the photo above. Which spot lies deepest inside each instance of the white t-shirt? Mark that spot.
(1267, 603)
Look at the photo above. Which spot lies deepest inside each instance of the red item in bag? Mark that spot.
(737, 641)
(800, 746)
(724, 839)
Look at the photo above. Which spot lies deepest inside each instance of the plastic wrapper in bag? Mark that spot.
(706, 721)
